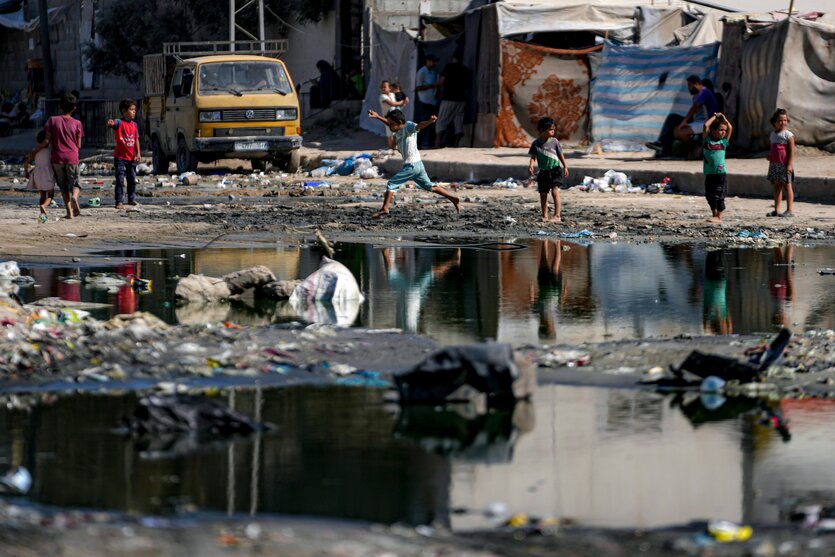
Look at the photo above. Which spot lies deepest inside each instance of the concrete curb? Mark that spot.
(809, 188)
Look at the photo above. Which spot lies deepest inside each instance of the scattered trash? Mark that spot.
(727, 369)
(9, 270)
(331, 282)
(759, 235)
(568, 358)
(94, 202)
(510, 220)
(463, 373)
(143, 169)
(510, 183)
(584, 233)
(17, 481)
(724, 531)
(826, 271)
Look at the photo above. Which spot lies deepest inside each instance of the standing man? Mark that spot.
(455, 86)
(426, 101)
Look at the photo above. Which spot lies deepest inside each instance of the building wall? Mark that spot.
(307, 45)
(396, 14)
(16, 47)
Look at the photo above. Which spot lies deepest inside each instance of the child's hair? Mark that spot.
(384, 82)
(395, 85)
(41, 136)
(718, 122)
(777, 113)
(395, 116)
(544, 124)
(68, 102)
(125, 104)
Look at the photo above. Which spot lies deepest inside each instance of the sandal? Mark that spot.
(773, 214)
(787, 214)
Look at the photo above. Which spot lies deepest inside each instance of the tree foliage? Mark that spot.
(129, 29)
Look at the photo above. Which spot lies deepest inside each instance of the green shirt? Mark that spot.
(714, 155)
(546, 153)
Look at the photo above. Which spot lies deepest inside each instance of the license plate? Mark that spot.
(251, 146)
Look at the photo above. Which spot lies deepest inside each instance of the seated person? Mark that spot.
(22, 117)
(684, 128)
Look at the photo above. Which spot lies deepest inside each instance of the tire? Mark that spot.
(290, 162)
(260, 165)
(158, 159)
(186, 161)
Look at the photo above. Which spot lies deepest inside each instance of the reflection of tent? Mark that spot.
(788, 64)
(515, 82)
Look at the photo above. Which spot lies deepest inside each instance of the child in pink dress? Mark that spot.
(42, 178)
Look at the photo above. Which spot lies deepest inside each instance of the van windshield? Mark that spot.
(223, 78)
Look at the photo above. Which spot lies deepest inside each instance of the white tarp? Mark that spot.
(657, 25)
(16, 20)
(395, 59)
(516, 19)
(707, 30)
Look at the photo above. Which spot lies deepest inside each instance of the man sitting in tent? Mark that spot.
(683, 129)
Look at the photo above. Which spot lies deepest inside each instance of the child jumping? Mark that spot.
(405, 137)
(781, 163)
(546, 152)
(717, 134)
(64, 134)
(42, 178)
(126, 154)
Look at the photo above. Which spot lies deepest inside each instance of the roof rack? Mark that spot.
(267, 47)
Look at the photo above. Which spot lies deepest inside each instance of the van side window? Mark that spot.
(175, 83)
(187, 83)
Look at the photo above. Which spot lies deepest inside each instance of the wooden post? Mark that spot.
(791, 7)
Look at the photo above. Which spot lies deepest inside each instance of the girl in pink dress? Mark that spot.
(42, 178)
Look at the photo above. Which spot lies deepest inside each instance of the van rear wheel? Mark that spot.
(186, 161)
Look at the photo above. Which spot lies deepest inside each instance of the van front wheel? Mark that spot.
(186, 161)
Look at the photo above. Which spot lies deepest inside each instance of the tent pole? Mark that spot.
(791, 7)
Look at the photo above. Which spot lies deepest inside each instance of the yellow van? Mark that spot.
(227, 106)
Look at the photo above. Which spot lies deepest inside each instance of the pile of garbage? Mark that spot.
(359, 166)
(619, 182)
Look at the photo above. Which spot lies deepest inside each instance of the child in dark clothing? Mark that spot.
(399, 95)
(546, 152)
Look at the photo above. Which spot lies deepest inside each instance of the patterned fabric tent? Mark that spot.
(538, 82)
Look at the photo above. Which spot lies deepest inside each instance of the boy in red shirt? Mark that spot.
(63, 134)
(126, 154)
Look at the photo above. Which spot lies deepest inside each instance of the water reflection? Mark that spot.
(551, 291)
(630, 459)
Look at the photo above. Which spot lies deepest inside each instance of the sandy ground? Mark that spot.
(486, 212)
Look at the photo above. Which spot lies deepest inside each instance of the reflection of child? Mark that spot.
(781, 283)
(42, 178)
(549, 281)
(781, 163)
(717, 317)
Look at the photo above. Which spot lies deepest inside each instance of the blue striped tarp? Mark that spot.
(636, 88)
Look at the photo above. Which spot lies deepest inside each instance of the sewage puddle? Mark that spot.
(551, 291)
(600, 457)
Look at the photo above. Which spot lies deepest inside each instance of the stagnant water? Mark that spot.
(548, 291)
(597, 456)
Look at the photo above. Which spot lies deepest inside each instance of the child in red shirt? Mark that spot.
(126, 154)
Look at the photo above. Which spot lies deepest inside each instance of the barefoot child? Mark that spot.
(42, 178)
(546, 152)
(781, 163)
(64, 134)
(126, 154)
(717, 134)
(405, 137)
